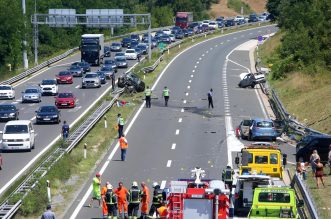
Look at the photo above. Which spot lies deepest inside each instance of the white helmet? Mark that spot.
(155, 184)
(109, 186)
(134, 183)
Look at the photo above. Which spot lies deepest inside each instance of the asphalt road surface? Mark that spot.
(165, 143)
(16, 162)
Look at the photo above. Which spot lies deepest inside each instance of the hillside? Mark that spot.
(221, 8)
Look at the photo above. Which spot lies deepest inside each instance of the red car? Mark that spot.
(64, 77)
(65, 100)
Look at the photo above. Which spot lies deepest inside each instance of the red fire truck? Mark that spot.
(199, 198)
(183, 19)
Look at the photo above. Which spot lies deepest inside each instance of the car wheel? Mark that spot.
(58, 121)
(99, 85)
(253, 85)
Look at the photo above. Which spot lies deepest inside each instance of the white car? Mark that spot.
(49, 87)
(131, 54)
(18, 135)
(212, 25)
(205, 22)
(262, 18)
(172, 37)
(238, 18)
(7, 92)
(166, 31)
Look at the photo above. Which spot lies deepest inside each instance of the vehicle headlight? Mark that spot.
(54, 116)
(38, 117)
(27, 139)
(12, 114)
(5, 140)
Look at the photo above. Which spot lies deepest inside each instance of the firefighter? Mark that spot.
(227, 176)
(163, 211)
(165, 94)
(111, 201)
(148, 94)
(122, 193)
(134, 200)
(157, 199)
(145, 199)
(104, 204)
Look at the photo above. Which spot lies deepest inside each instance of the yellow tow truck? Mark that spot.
(274, 203)
(261, 158)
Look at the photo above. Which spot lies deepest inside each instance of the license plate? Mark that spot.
(63, 104)
(63, 80)
(47, 119)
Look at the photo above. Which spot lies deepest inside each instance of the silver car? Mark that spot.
(32, 94)
(116, 47)
(76, 71)
(91, 80)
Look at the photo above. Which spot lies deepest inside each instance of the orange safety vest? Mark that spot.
(123, 143)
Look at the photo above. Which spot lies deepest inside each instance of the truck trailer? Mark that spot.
(184, 19)
(92, 48)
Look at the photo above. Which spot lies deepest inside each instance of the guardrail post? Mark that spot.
(205, 35)
(192, 39)
(105, 118)
(168, 51)
(178, 45)
(49, 191)
(85, 151)
(222, 31)
(259, 23)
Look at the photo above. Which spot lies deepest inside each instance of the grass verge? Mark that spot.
(73, 169)
(238, 4)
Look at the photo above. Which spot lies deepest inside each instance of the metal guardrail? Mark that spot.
(38, 67)
(152, 67)
(7, 210)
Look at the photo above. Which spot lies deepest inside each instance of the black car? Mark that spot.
(134, 44)
(110, 63)
(175, 29)
(145, 36)
(179, 35)
(76, 71)
(106, 50)
(190, 31)
(84, 65)
(165, 39)
(138, 51)
(121, 62)
(309, 143)
(131, 80)
(159, 33)
(229, 23)
(102, 77)
(205, 27)
(248, 81)
(107, 70)
(252, 18)
(8, 112)
(241, 21)
(48, 114)
(185, 32)
(115, 47)
(126, 42)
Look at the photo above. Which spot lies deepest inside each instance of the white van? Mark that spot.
(18, 135)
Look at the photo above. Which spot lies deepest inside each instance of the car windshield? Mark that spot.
(127, 40)
(48, 82)
(129, 51)
(75, 68)
(120, 54)
(264, 124)
(31, 91)
(7, 107)
(91, 75)
(65, 95)
(47, 109)
(14, 129)
(63, 73)
(212, 23)
(277, 197)
(115, 44)
(109, 62)
(101, 74)
(106, 69)
(5, 88)
(120, 59)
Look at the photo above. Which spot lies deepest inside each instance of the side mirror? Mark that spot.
(301, 203)
(284, 159)
(236, 160)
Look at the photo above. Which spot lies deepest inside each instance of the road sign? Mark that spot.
(162, 46)
(259, 40)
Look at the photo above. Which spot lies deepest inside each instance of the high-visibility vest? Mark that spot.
(110, 197)
(163, 211)
(134, 195)
(228, 175)
(120, 121)
(123, 143)
(166, 92)
(148, 92)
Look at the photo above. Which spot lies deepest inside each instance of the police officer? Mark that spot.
(210, 99)
(134, 200)
(120, 123)
(111, 201)
(165, 94)
(227, 176)
(157, 199)
(65, 130)
(148, 94)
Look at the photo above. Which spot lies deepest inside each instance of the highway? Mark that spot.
(16, 163)
(165, 143)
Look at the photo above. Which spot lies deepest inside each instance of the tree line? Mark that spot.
(306, 41)
(14, 26)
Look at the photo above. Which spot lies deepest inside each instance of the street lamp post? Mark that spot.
(25, 54)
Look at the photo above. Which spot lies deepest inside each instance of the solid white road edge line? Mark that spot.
(83, 200)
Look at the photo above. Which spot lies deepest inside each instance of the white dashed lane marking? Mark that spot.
(32, 118)
(193, 70)
(177, 131)
(184, 101)
(203, 54)
(192, 76)
(188, 87)
(169, 163)
(173, 146)
(190, 81)
(180, 120)
(163, 184)
(182, 110)
(186, 93)
(195, 66)
(77, 86)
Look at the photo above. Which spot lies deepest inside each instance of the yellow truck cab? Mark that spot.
(261, 158)
(274, 203)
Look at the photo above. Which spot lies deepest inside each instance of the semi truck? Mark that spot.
(184, 19)
(92, 48)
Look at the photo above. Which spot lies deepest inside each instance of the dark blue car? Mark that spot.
(102, 77)
(262, 129)
(8, 112)
(48, 114)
